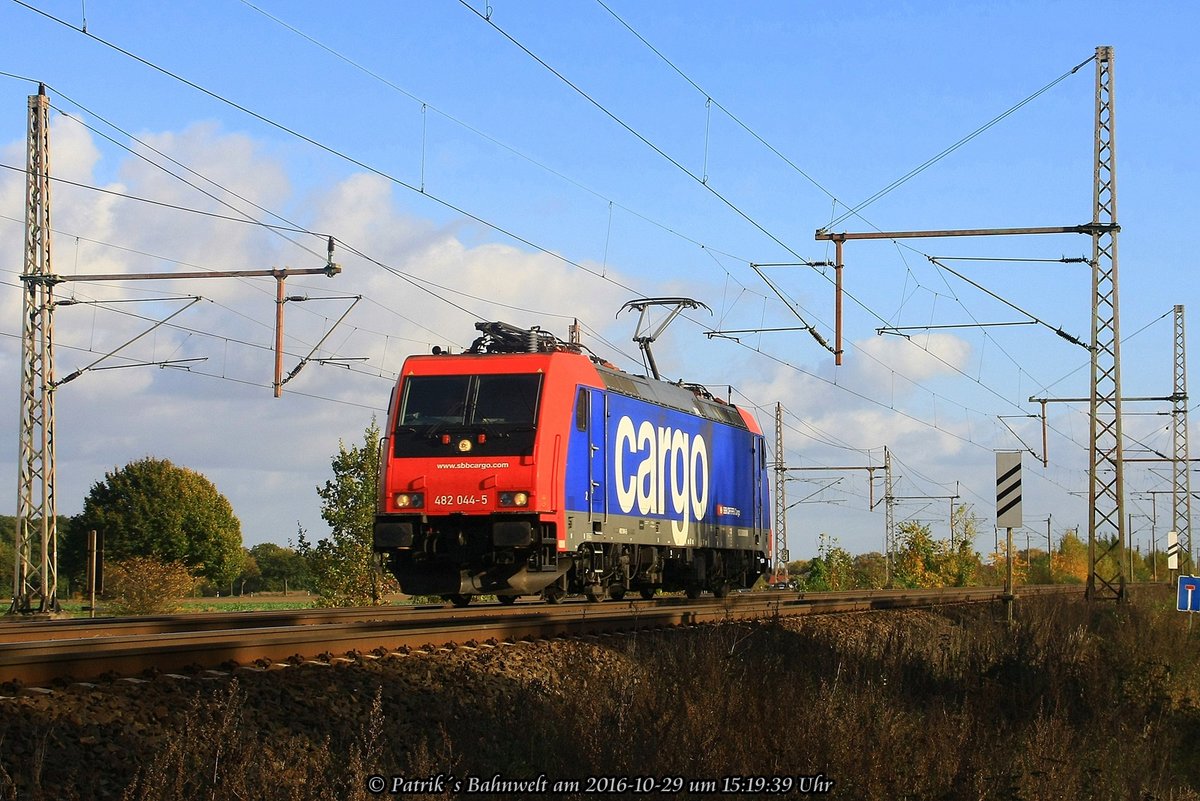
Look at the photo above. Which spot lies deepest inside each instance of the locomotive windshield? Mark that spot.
(503, 408)
(435, 399)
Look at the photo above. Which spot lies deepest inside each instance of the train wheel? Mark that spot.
(616, 592)
(647, 593)
(507, 600)
(692, 592)
(594, 593)
(721, 590)
(459, 599)
(552, 594)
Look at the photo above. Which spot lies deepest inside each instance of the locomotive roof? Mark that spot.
(503, 338)
(676, 396)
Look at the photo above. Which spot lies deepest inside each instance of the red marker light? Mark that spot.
(482, 438)
(445, 439)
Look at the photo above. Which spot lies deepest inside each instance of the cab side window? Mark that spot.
(581, 410)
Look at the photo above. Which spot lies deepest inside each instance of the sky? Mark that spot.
(540, 162)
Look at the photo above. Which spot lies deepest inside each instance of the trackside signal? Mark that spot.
(1008, 489)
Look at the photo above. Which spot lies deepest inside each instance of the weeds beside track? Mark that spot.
(1072, 701)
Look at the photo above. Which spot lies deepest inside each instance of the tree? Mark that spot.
(916, 563)
(964, 525)
(927, 562)
(154, 508)
(6, 559)
(961, 565)
(870, 571)
(249, 574)
(343, 571)
(281, 568)
(8, 551)
(831, 569)
(144, 585)
(999, 562)
(1039, 566)
(1069, 564)
(1157, 565)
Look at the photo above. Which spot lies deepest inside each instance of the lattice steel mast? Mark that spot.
(35, 563)
(35, 570)
(1181, 486)
(780, 497)
(889, 517)
(1106, 512)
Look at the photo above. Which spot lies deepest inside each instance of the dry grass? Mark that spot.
(1072, 702)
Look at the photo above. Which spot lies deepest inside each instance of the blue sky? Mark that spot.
(854, 95)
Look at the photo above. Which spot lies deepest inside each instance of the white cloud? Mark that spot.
(915, 359)
(267, 455)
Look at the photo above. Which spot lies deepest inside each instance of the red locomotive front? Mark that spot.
(472, 472)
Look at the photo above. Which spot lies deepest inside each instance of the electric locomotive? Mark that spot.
(526, 466)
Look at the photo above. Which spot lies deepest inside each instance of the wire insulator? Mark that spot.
(1074, 340)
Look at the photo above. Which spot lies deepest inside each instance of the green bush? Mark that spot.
(143, 585)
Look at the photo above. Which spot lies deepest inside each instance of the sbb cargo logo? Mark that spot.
(656, 466)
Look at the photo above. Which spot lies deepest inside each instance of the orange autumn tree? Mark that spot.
(924, 561)
(1069, 563)
(998, 560)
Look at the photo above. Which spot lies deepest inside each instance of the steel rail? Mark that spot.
(74, 628)
(38, 663)
(12, 631)
(15, 631)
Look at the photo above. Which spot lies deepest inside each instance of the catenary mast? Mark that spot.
(35, 562)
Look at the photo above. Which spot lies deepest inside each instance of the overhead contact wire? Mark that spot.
(630, 129)
(440, 201)
(309, 140)
(981, 129)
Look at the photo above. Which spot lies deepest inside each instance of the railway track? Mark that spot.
(50, 652)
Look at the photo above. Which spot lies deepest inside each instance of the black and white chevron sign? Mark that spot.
(1008, 489)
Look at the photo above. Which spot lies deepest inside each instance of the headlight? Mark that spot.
(409, 500)
(514, 499)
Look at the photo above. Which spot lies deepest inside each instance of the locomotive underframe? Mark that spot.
(459, 556)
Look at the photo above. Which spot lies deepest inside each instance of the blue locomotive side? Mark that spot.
(642, 472)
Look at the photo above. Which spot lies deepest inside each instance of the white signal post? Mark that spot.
(1008, 513)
